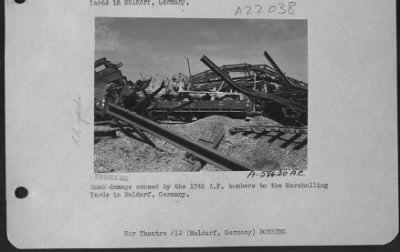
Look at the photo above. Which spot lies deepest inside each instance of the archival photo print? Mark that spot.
(190, 95)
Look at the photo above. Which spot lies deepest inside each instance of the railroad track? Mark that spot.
(268, 128)
(297, 135)
(202, 152)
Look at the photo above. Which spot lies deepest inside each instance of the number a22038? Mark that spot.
(280, 8)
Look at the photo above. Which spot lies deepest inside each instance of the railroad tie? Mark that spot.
(290, 140)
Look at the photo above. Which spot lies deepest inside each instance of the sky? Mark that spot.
(159, 45)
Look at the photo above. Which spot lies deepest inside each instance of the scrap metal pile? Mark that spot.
(236, 91)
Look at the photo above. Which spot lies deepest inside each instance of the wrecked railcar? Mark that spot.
(236, 90)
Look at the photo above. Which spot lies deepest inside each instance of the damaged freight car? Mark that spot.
(236, 90)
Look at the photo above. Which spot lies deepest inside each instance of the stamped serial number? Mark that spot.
(275, 173)
(281, 8)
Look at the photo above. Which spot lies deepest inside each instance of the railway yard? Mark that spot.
(237, 117)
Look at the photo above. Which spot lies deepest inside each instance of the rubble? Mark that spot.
(125, 154)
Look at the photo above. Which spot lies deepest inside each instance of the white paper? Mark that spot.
(352, 140)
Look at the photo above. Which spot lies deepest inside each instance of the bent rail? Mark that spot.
(279, 71)
(205, 153)
(286, 102)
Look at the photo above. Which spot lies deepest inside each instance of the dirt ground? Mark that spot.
(125, 154)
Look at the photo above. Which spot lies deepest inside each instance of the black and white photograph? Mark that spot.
(200, 123)
(185, 95)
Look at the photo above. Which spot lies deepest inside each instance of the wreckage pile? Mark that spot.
(213, 106)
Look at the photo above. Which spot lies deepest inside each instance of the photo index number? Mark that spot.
(250, 9)
(280, 8)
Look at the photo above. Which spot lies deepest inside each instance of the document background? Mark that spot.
(352, 136)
